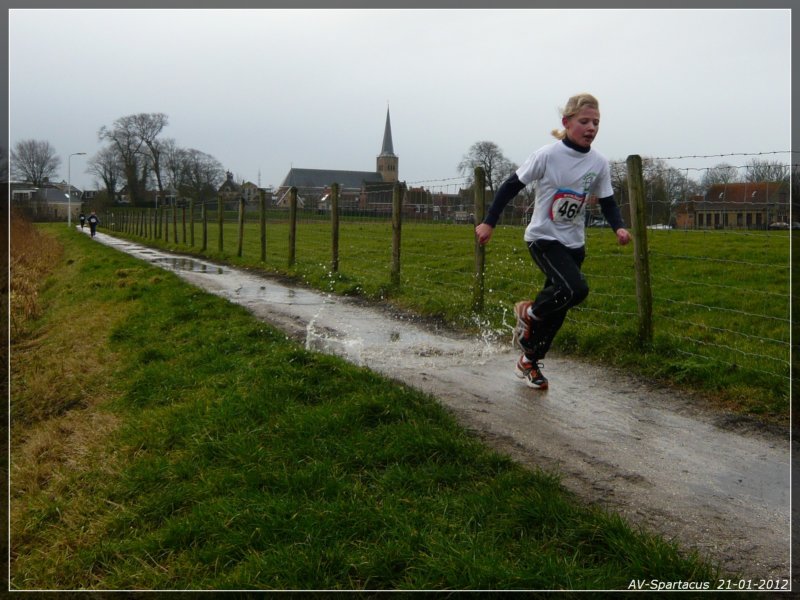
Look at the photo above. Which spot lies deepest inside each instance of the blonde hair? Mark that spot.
(575, 105)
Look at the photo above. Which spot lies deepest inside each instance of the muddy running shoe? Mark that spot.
(531, 372)
(523, 330)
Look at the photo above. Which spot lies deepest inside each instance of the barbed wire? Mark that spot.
(725, 155)
(719, 260)
(707, 156)
(735, 325)
(727, 331)
(656, 276)
(460, 178)
(720, 308)
(680, 350)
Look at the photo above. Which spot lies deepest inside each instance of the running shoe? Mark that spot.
(523, 331)
(531, 372)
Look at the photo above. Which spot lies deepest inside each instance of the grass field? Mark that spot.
(163, 438)
(720, 298)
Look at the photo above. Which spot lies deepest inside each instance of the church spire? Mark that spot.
(388, 162)
(387, 149)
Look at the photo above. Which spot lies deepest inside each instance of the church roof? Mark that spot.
(320, 178)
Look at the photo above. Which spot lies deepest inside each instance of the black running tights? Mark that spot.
(564, 288)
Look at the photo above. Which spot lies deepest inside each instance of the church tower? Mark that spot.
(388, 160)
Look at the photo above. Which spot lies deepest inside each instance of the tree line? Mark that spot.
(135, 156)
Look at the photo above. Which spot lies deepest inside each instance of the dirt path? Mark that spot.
(710, 481)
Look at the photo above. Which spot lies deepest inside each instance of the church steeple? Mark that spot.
(387, 149)
(388, 160)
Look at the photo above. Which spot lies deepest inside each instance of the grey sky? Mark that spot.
(262, 90)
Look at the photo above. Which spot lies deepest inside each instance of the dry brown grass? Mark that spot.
(61, 367)
(33, 256)
(55, 451)
(59, 374)
(59, 463)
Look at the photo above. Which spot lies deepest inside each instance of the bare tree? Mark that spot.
(174, 163)
(34, 161)
(204, 174)
(762, 170)
(488, 155)
(125, 139)
(148, 126)
(107, 166)
(134, 137)
(665, 187)
(721, 173)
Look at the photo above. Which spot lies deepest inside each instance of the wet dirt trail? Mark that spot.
(709, 481)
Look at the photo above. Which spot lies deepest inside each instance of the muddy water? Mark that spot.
(647, 453)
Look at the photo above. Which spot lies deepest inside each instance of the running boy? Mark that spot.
(93, 222)
(565, 173)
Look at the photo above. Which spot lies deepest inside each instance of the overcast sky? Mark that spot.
(264, 90)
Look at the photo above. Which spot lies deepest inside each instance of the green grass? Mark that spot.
(720, 298)
(243, 461)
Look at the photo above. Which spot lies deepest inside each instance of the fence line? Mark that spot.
(350, 239)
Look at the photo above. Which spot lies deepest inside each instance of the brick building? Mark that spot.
(736, 206)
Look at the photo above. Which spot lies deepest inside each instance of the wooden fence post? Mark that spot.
(240, 241)
(166, 223)
(263, 218)
(335, 227)
(183, 218)
(191, 222)
(397, 225)
(292, 224)
(204, 216)
(644, 295)
(175, 223)
(220, 222)
(478, 289)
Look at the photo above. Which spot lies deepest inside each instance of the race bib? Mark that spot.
(567, 206)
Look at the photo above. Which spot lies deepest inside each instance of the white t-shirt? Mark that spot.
(564, 179)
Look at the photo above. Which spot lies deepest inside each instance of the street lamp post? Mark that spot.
(69, 187)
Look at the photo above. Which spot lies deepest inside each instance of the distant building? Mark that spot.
(369, 191)
(736, 206)
(49, 202)
(231, 192)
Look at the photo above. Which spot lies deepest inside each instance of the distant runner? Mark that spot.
(565, 174)
(93, 221)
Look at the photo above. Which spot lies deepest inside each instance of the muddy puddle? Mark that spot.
(648, 453)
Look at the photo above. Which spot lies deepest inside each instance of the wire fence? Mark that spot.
(718, 243)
